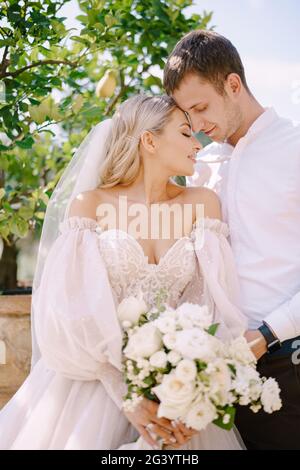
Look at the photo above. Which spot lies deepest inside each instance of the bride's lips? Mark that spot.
(210, 131)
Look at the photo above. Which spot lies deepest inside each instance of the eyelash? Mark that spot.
(201, 110)
(187, 135)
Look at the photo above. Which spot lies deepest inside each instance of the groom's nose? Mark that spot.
(198, 124)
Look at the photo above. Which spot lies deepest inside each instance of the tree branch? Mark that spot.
(4, 62)
(36, 64)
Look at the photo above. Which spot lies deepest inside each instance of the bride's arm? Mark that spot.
(84, 208)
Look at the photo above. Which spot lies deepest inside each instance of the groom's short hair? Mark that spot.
(206, 53)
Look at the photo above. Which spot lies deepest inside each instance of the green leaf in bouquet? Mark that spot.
(228, 411)
(150, 380)
(213, 329)
(153, 316)
(148, 394)
(232, 369)
(201, 365)
(143, 319)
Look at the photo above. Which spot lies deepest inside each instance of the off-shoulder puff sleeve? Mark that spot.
(75, 317)
(220, 275)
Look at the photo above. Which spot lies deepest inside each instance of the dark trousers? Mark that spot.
(281, 429)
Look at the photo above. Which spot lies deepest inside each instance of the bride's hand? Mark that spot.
(182, 435)
(144, 419)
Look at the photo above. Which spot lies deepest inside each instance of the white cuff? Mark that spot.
(285, 320)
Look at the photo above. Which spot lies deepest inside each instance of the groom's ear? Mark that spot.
(233, 85)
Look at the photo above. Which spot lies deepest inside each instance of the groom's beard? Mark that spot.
(233, 122)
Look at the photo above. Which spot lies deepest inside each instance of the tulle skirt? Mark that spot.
(52, 412)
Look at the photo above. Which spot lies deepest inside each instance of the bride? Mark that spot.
(88, 263)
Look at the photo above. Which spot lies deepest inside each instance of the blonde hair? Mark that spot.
(133, 117)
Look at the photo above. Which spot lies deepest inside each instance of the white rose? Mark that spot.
(193, 343)
(175, 397)
(130, 309)
(159, 359)
(144, 343)
(174, 357)
(200, 414)
(169, 340)
(186, 370)
(190, 315)
(270, 396)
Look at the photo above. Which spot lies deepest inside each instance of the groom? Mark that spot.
(254, 165)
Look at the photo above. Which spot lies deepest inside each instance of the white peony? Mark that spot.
(246, 378)
(201, 413)
(186, 370)
(175, 396)
(166, 324)
(220, 382)
(270, 396)
(193, 343)
(190, 315)
(144, 343)
(240, 351)
(130, 309)
(159, 359)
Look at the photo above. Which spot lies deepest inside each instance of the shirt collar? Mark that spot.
(261, 123)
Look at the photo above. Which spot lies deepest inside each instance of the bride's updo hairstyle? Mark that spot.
(136, 115)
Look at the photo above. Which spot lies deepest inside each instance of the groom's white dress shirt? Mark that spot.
(258, 182)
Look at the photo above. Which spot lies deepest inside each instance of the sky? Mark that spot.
(267, 36)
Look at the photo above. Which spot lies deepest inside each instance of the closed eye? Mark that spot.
(200, 110)
(187, 135)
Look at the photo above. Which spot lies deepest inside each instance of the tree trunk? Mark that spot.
(8, 267)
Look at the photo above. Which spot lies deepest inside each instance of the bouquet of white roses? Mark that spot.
(173, 356)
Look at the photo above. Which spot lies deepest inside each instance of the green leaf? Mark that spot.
(4, 230)
(84, 41)
(213, 329)
(26, 143)
(19, 227)
(83, 19)
(44, 197)
(40, 215)
(229, 410)
(25, 212)
(2, 193)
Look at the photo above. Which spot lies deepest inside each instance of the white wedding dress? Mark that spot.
(72, 399)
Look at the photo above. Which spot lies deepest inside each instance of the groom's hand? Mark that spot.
(260, 346)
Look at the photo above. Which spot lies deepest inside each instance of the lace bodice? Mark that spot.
(129, 270)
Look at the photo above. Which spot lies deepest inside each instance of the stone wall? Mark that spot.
(15, 343)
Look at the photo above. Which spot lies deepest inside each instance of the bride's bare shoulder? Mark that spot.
(207, 197)
(85, 204)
